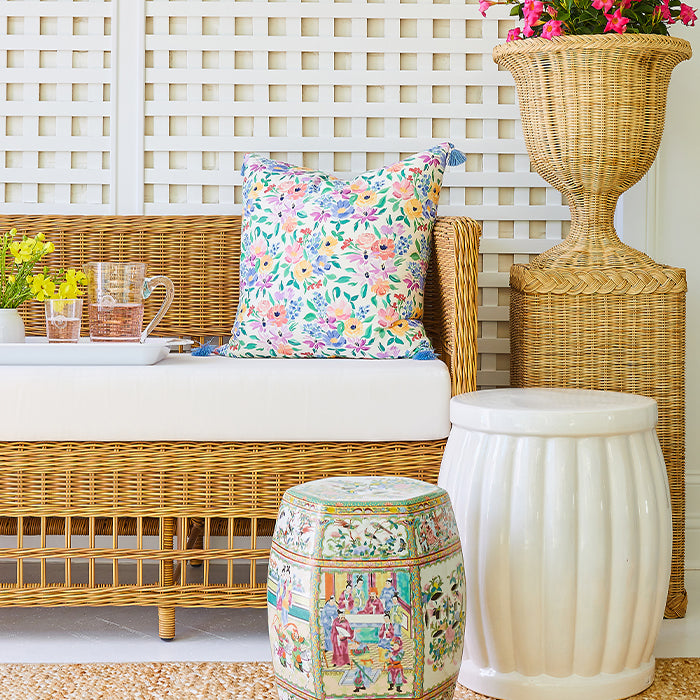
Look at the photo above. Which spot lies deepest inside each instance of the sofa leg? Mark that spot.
(196, 538)
(166, 615)
(166, 623)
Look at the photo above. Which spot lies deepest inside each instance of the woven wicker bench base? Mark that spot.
(617, 330)
(106, 523)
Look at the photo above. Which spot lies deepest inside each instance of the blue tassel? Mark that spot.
(425, 355)
(203, 350)
(456, 157)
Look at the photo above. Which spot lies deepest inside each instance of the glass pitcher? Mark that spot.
(116, 292)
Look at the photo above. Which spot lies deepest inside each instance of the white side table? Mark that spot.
(561, 499)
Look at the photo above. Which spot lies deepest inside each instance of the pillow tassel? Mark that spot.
(425, 355)
(456, 157)
(203, 350)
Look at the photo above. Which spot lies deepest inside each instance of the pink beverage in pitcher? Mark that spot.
(115, 322)
(116, 292)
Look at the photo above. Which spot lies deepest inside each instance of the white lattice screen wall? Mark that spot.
(340, 86)
(56, 80)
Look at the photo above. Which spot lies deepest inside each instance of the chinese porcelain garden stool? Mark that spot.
(562, 500)
(366, 590)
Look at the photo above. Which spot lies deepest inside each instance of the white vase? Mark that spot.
(11, 326)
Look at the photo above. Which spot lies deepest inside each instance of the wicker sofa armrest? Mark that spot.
(451, 297)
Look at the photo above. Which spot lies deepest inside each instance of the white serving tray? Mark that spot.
(38, 351)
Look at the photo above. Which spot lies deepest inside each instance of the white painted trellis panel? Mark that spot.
(56, 110)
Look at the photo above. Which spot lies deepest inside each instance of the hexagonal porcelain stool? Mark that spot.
(561, 497)
(366, 591)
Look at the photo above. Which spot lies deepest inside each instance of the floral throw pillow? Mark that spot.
(332, 268)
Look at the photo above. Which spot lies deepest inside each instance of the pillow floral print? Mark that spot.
(332, 268)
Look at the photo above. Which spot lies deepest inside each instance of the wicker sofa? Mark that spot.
(72, 513)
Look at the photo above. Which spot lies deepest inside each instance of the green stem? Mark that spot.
(3, 254)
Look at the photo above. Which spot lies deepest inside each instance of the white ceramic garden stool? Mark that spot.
(561, 498)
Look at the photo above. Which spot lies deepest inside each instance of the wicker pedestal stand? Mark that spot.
(611, 329)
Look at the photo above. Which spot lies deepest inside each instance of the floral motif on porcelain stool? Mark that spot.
(366, 591)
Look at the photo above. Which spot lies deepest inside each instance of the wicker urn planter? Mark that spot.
(591, 312)
(592, 110)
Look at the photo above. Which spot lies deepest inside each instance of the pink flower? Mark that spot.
(551, 11)
(605, 5)
(340, 310)
(293, 252)
(384, 247)
(665, 13)
(403, 189)
(513, 34)
(484, 5)
(528, 31)
(277, 315)
(532, 10)
(687, 15)
(532, 6)
(366, 240)
(624, 4)
(259, 247)
(387, 316)
(289, 224)
(616, 22)
(551, 29)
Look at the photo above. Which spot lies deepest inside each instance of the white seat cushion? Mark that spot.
(225, 399)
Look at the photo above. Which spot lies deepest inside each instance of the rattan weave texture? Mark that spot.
(79, 505)
(611, 329)
(676, 679)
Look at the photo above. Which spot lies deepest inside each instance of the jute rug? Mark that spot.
(676, 679)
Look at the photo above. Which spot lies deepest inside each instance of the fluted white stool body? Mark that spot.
(562, 502)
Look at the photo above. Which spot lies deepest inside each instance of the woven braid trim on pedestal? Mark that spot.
(676, 605)
(583, 280)
(634, 42)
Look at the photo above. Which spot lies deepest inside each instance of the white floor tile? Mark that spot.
(66, 635)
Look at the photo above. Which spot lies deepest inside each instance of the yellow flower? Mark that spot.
(10, 279)
(353, 327)
(329, 244)
(400, 327)
(29, 249)
(434, 192)
(412, 208)
(69, 289)
(41, 287)
(367, 198)
(75, 277)
(18, 252)
(266, 262)
(66, 290)
(302, 270)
